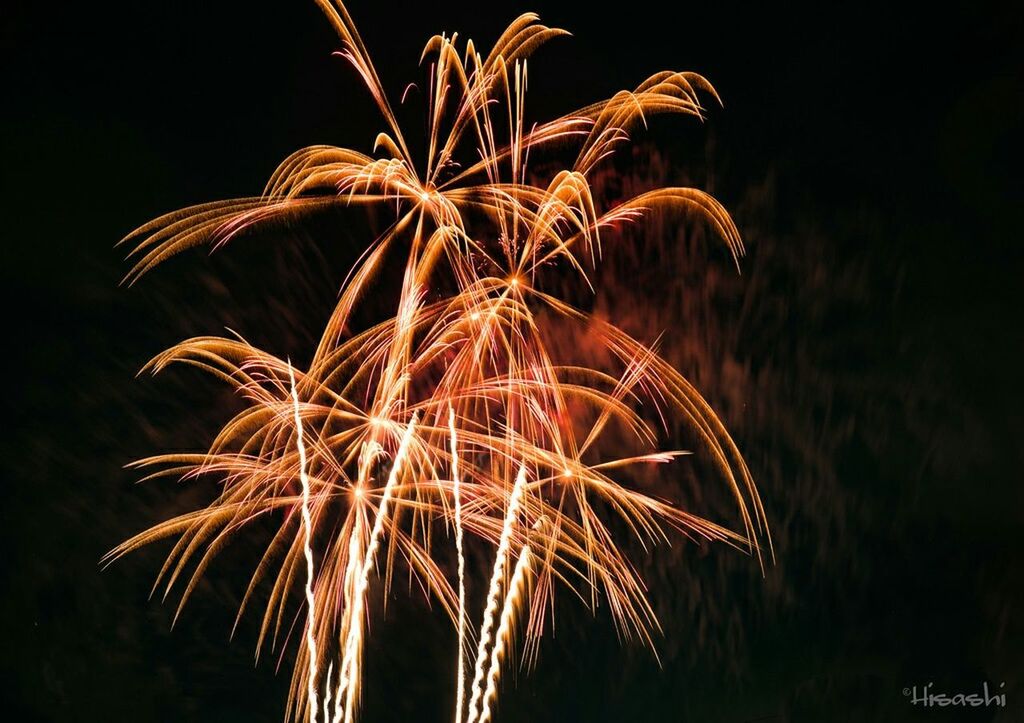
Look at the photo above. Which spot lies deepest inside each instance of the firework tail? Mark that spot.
(354, 640)
(307, 545)
(504, 630)
(460, 684)
(495, 589)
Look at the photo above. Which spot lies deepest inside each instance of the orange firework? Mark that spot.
(456, 413)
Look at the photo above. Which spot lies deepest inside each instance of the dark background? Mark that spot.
(867, 360)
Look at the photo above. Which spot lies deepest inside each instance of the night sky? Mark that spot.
(867, 358)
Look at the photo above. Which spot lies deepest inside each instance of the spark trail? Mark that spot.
(460, 681)
(307, 546)
(504, 630)
(494, 591)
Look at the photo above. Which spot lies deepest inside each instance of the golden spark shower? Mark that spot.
(459, 424)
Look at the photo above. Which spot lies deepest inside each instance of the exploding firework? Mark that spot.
(458, 414)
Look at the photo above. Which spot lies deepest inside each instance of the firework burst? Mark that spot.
(455, 415)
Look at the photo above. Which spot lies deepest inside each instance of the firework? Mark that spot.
(459, 401)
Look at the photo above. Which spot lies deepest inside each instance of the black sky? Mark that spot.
(893, 134)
